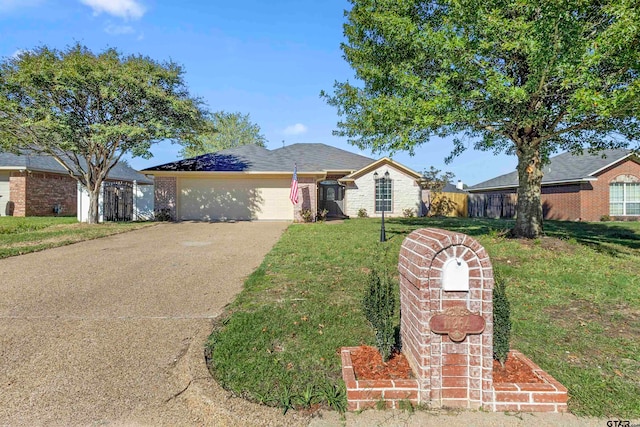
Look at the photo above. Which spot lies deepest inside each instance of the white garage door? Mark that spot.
(4, 192)
(242, 199)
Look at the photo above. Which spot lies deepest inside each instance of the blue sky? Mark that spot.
(270, 59)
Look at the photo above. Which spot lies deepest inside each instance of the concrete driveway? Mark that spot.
(111, 331)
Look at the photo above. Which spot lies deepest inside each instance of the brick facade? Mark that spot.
(37, 193)
(586, 201)
(307, 198)
(595, 202)
(166, 196)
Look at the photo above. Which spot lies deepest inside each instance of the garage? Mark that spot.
(4, 193)
(221, 199)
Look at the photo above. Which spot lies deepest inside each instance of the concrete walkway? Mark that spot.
(111, 331)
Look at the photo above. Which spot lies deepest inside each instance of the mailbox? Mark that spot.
(455, 275)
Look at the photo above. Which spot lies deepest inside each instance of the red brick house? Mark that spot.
(587, 187)
(37, 185)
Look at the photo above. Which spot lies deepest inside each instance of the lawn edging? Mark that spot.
(548, 396)
(366, 394)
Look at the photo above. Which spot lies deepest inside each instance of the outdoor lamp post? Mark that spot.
(383, 180)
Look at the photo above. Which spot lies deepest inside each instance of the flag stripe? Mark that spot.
(293, 194)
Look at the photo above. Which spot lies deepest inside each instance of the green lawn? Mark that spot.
(19, 235)
(574, 295)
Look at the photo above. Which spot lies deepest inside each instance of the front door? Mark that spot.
(332, 198)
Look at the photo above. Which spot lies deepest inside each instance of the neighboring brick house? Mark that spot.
(252, 183)
(37, 185)
(584, 187)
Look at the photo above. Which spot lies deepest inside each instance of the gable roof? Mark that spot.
(44, 163)
(561, 169)
(376, 164)
(252, 158)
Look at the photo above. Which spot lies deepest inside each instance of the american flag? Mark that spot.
(293, 194)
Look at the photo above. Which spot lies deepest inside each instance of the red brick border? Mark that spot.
(365, 394)
(550, 396)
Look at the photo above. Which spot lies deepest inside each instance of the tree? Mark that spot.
(435, 181)
(227, 130)
(87, 110)
(527, 77)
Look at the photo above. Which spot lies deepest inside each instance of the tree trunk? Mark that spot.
(529, 207)
(94, 196)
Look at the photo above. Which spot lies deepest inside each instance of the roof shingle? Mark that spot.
(252, 158)
(564, 167)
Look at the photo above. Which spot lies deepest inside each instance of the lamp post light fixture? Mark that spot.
(382, 181)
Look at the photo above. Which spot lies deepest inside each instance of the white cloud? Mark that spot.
(116, 30)
(296, 129)
(121, 8)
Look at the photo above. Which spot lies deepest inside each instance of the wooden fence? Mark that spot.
(497, 205)
(460, 199)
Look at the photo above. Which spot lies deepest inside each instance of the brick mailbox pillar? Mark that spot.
(446, 327)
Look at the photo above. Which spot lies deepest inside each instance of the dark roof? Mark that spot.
(44, 163)
(252, 158)
(451, 188)
(563, 168)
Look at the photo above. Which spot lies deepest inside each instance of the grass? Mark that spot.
(21, 235)
(574, 300)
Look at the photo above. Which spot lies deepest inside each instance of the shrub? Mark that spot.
(605, 218)
(362, 213)
(379, 309)
(322, 215)
(306, 215)
(501, 321)
(408, 213)
(163, 214)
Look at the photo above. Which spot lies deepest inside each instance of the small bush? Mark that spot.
(362, 213)
(501, 321)
(163, 214)
(322, 215)
(605, 218)
(408, 213)
(379, 309)
(306, 215)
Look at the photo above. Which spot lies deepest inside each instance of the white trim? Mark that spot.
(611, 164)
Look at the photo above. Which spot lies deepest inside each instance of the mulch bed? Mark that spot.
(514, 371)
(368, 365)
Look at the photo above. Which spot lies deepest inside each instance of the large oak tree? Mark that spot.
(527, 77)
(87, 110)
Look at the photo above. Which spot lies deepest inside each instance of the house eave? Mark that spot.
(232, 174)
(544, 184)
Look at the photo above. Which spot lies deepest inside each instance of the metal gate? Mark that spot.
(117, 201)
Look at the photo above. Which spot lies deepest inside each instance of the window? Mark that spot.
(383, 195)
(624, 198)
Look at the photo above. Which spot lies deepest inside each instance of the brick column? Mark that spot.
(307, 198)
(18, 193)
(450, 373)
